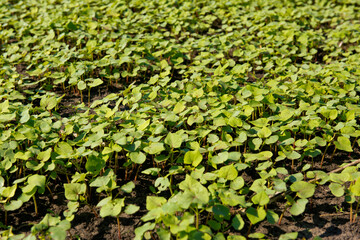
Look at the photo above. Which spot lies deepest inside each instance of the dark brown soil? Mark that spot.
(326, 216)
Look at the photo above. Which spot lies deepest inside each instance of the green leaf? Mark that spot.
(336, 189)
(153, 202)
(74, 190)
(286, 114)
(81, 85)
(143, 125)
(4, 107)
(355, 188)
(71, 26)
(64, 149)
(265, 132)
(198, 93)
(221, 211)
(260, 198)
(13, 205)
(179, 107)
(131, 209)
(128, 187)
(162, 183)
(95, 82)
(215, 225)
(235, 237)
(219, 236)
(239, 68)
(104, 201)
(25, 116)
(102, 183)
(242, 137)
(193, 157)
(57, 233)
(174, 140)
(303, 39)
(329, 113)
(279, 185)
(237, 183)
(45, 155)
(8, 192)
(237, 222)
(45, 127)
(194, 191)
(2, 182)
(152, 171)
(317, 238)
(260, 122)
(264, 155)
(298, 207)
(7, 117)
(94, 164)
(228, 172)
(154, 148)
(235, 122)
(112, 208)
(340, 178)
(272, 217)
(303, 189)
(36, 181)
(258, 185)
(257, 143)
(234, 156)
(48, 102)
(256, 235)
(137, 157)
(163, 234)
(292, 155)
(91, 45)
(23, 155)
(288, 236)
(140, 231)
(343, 143)
(255, 215)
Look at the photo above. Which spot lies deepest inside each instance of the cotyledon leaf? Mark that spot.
(343, 143)
(298, 207)
(137, 157)
(255, 215)
(174, 140)
(303, 189)
(193, 157)
(228, 172)
(154, 148)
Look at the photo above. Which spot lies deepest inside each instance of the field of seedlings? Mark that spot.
(179, 119)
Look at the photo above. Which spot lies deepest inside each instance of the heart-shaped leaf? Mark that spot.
(343, 143)
(74, 190)
(303, 189)
(255, 215)
(154, 148)
(336, 189)
(137, 157)
(237, 222)
(94, 163)
(261, 198)
(298, 207)
(193, 157)
(174, 140)
(228, 172)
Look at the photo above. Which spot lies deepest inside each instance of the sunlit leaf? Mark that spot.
(193, 157)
